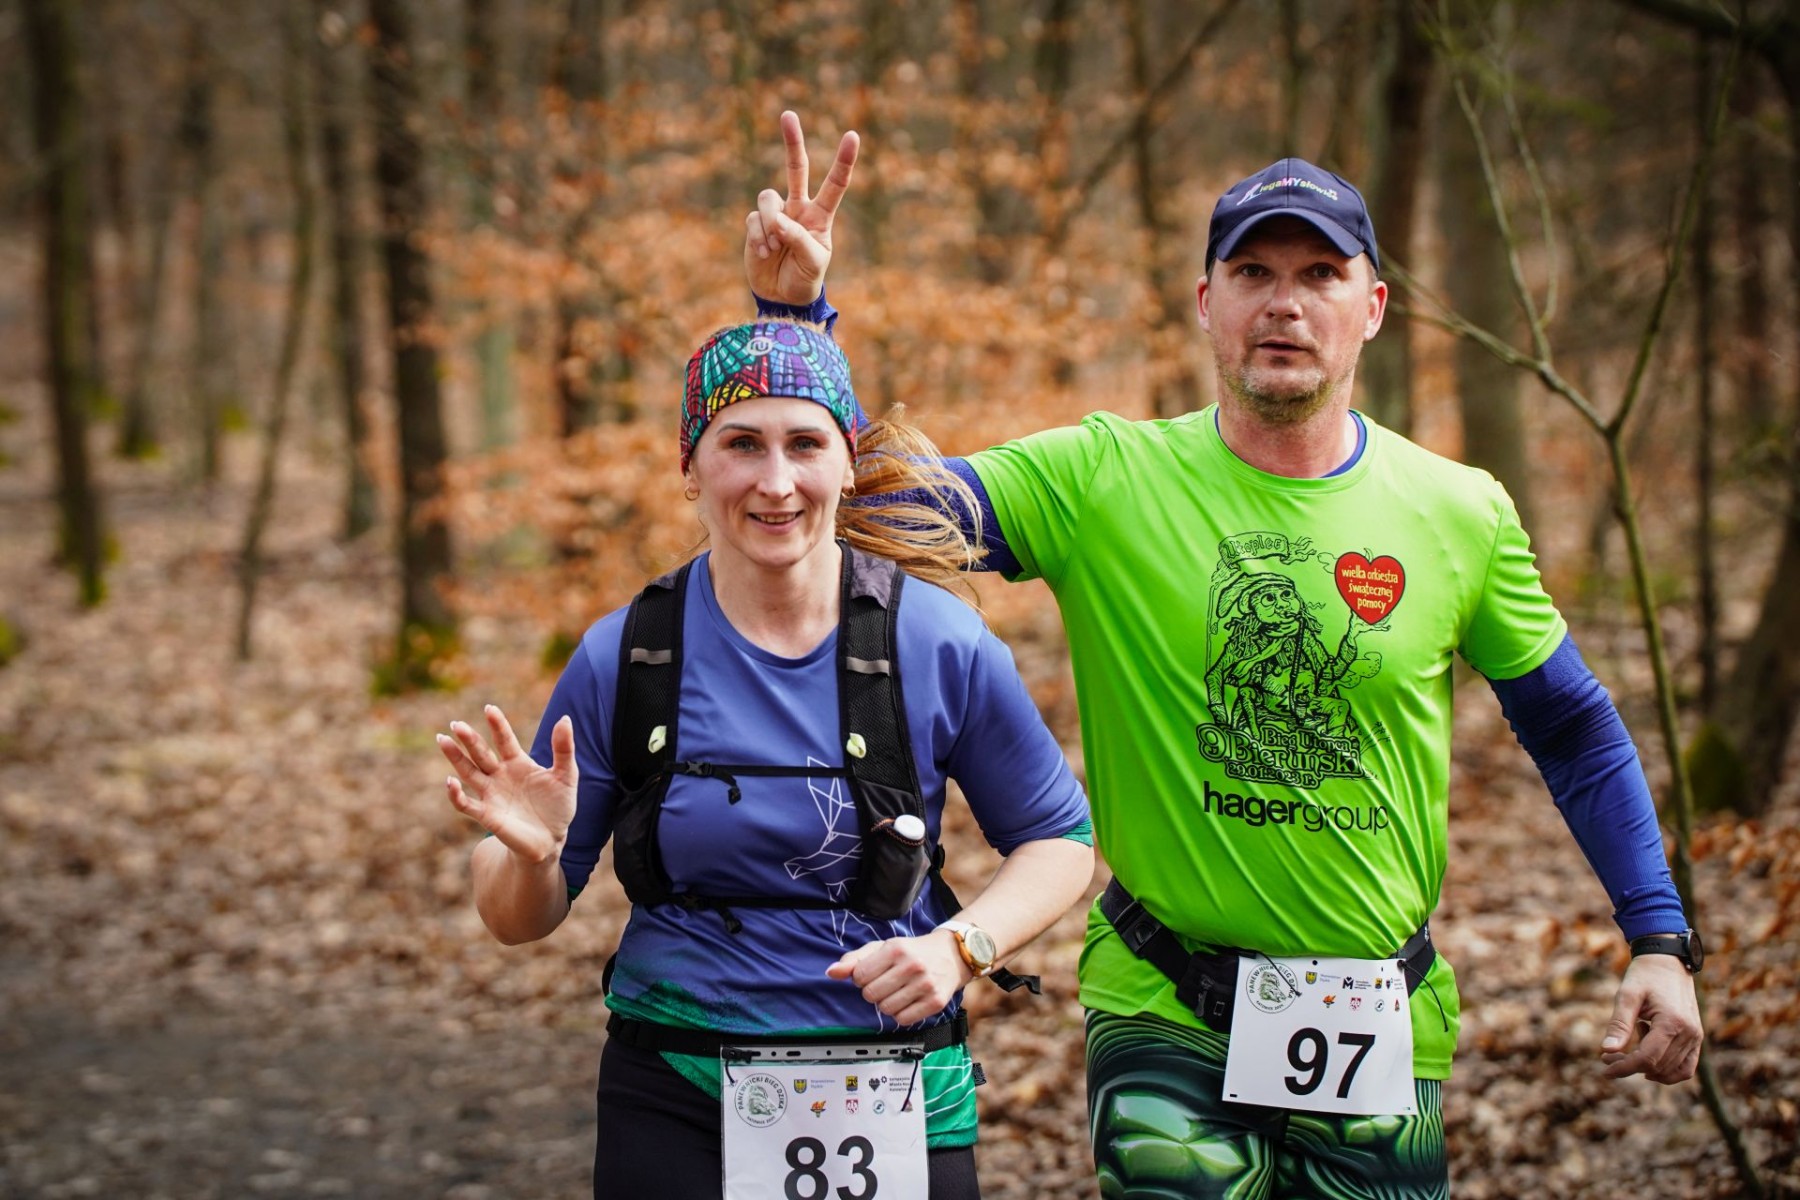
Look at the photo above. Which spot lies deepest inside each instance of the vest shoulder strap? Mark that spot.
(871, 703)
(647, 699)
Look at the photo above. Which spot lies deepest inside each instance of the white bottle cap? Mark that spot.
(909, 827)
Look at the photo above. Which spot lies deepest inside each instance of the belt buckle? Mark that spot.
(1136, 926)
(1210, 980)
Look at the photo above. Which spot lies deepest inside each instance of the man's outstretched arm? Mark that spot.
(1569, 726)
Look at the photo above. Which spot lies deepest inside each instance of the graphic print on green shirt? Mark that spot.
(1275, 689)
(1263, 674)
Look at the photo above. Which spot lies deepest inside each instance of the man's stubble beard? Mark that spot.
(1287, 407)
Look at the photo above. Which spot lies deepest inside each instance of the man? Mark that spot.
(1266, 1014)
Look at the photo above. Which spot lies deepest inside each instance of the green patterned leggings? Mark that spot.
(1161, 1131)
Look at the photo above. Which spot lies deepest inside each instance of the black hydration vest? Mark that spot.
(878, 756)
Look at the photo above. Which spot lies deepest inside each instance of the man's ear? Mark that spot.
(1378, 298)
(1200, 298)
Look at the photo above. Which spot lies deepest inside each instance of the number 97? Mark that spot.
(1309, 1054)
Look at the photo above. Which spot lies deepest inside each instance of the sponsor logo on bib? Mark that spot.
(760, 1100)
(1272, 987)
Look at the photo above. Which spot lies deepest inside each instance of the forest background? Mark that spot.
(339, 361)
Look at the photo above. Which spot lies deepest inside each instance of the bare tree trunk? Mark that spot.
(879, 39)
(1736, 758)
(1174, 383)
(1293, 76)
(1705, 566)
(1386, 369)
(210, 342)
(594, 359)
(138, 437)
(1345, 148)
(985, 130)
(427, 624)
(581, 58)
(295, 143)
(485, 110)
(1487, 389)
(974, 139)
(746, 65)
(481, 62)
(1754, 375)
(346, 324)
(59, 126)
(880, 20)
(1054, 71)
(116, 215)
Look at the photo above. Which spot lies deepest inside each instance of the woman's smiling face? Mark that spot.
(770, 473)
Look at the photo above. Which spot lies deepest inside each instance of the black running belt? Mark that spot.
(647, 1035)
(1206, 980)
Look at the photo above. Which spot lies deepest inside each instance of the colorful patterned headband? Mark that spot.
(767, 358)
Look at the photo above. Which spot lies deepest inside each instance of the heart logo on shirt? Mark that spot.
(1371, 588)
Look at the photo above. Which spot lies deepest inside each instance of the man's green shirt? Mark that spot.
(1263, 671)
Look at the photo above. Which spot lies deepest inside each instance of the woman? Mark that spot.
(762, 826)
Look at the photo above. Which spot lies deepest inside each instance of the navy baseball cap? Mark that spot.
(1293, 187)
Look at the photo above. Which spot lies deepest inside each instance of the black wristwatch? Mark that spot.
(1685, 945)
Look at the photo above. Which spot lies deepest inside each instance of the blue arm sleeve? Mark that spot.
(999, 555)
(819, 312)
(1567, 723)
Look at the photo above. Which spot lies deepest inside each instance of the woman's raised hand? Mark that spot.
(787, 240)
(503, 790)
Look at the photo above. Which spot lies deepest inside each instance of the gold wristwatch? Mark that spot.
(976, 945)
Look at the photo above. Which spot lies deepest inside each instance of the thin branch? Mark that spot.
(296, 143)
(1706, 20)
(1447, 318)
(1540, 338)
(1145, 117)
(1689, 207)
(1542, 194)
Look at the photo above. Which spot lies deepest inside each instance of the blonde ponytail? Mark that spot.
(926, 539)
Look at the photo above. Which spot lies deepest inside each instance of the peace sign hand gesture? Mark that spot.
(527, 807)
(787, 241)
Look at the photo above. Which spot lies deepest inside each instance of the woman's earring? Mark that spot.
(691, 492)
(849, 490)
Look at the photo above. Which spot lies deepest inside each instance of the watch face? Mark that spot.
(1696, 951)
(981, 947)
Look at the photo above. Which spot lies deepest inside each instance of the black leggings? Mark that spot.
(659, 1136)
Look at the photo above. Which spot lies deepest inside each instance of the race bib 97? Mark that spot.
(1322, 1034)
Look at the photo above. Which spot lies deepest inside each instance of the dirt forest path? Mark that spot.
(206, 1106)
(237, 955)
